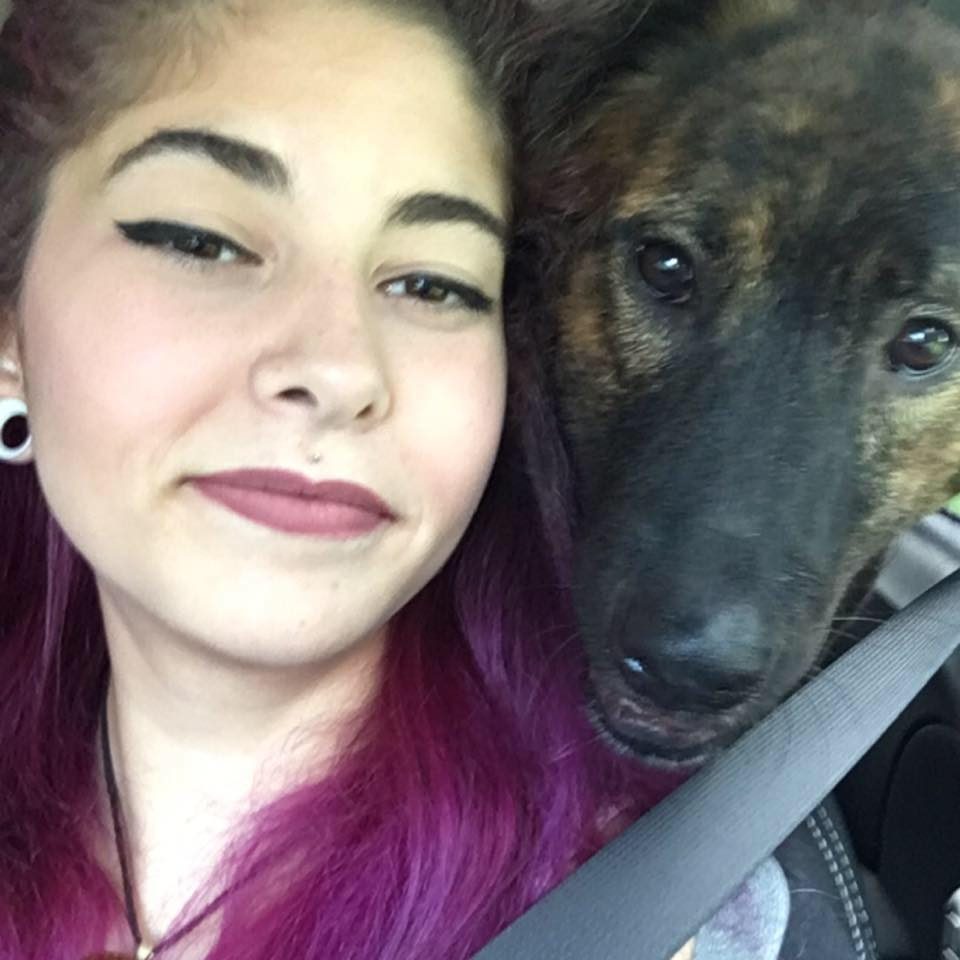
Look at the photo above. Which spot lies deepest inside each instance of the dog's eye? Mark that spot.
(923, 345)
(667, 270)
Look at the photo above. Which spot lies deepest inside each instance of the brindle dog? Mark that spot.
(756, 232)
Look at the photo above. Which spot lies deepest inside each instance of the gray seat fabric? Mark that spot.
(752, 923)
(837, 910)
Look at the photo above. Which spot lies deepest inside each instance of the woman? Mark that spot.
(281, 672)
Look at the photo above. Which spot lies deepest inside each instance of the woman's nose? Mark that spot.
(333, 368)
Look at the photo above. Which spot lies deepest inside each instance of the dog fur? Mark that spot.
(739, 457)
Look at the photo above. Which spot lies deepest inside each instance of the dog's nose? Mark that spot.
(700, 663)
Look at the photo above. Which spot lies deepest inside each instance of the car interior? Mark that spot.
(900, 802)
(852, 783)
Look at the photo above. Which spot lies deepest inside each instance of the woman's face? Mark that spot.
(292, 265)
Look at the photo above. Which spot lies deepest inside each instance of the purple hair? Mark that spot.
(470, 786)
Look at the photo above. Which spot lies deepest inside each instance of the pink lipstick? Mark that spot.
(294, 504)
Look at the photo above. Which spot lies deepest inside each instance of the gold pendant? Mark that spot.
(143, 953)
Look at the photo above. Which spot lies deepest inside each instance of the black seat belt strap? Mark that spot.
(647, 892)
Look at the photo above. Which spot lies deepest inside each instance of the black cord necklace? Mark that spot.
(143, 950)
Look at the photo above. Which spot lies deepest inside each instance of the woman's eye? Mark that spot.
(438, 292)
(191, 243)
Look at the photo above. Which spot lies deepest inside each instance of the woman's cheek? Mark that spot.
(459, 399)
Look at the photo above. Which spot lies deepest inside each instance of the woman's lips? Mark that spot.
(294, 504)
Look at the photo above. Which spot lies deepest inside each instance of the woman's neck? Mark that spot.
(198, 742)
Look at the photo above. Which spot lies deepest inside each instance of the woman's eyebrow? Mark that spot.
(264, 169)
(257, 165)
(446, 208)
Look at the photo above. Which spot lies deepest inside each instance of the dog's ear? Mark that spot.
(948, 10)
(575, 46)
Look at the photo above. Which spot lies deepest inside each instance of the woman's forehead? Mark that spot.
(322, 85)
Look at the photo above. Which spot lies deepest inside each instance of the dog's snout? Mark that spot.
(707, 662)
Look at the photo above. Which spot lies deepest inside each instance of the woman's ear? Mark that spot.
(11, 368)
(16, 442)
